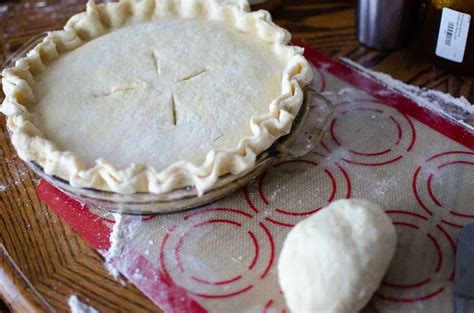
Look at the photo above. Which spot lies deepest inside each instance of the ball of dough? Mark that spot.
(334, 260)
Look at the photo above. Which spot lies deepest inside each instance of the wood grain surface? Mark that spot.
(53, 261)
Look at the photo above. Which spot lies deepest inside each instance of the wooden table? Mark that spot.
(56, 261)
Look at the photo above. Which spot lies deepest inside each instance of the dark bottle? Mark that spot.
(446, 34)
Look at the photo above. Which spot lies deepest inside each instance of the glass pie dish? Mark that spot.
(307, 131)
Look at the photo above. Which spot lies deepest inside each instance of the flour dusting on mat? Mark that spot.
(123, 229)
(458, 109)
(77, 306)
(116, 237)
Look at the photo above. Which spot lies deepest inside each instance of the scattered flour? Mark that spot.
(112, 270)
(123, 229)
(17, 177)
(458, 109)
(77, 306)
(116, 237)
(344, 91)
(238, 259)
(137, 274)
(384, 185)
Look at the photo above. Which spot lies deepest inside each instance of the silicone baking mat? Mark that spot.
(380, 145)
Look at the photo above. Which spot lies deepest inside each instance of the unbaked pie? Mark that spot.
(151, 96)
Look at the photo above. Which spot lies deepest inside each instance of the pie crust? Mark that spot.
(212, 84)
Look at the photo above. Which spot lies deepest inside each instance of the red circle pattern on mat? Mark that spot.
(440, 170)
(335, 184)
(257, 244)
(385, 119)
(255, 265)
(429, 266)
(270, 307)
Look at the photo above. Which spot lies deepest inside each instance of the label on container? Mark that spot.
(452, 36)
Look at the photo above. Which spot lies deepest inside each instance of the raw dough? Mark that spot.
(156, 95)
(186, 91)
(334, 260)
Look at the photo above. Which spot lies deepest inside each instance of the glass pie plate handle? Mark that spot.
(307, 131)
